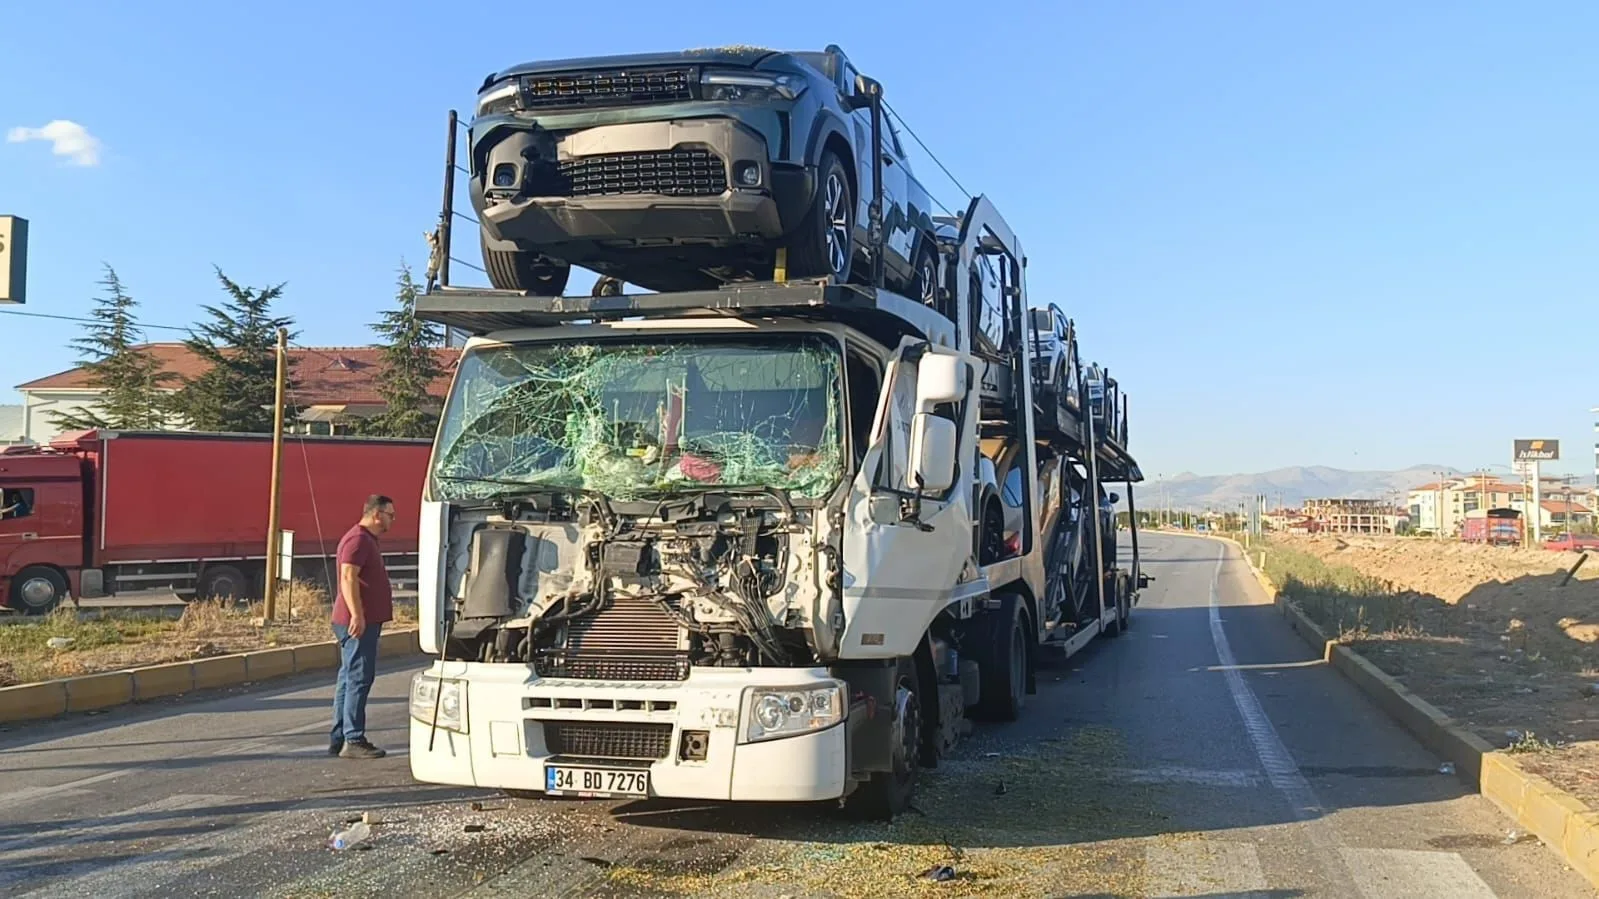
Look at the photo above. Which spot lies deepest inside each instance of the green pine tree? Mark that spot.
(408, 367)
(239, 346)
(129, 377)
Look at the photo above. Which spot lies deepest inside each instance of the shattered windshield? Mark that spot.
(635, 420)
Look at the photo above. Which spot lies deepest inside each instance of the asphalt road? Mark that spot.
(1207, 752)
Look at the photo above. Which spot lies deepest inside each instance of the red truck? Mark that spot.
(1499, 527)
(106, 513)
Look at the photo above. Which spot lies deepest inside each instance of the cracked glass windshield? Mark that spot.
(634, 420)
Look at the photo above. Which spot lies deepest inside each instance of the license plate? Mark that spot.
(599, 783)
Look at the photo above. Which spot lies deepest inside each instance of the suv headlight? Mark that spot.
(498, 98)
(429, 692)
(786, 712)
(750, 87)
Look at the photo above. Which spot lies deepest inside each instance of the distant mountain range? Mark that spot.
(1284, 487)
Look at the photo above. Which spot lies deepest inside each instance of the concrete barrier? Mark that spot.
(157, 681)
(99, 691)
(268, 663)
(32, 701)
(48, 699)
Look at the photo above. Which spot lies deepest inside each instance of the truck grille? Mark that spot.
(608, 740)
(631, 639)
(617, 87)
(675, 173)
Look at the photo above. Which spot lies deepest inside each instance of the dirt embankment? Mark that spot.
(1496, 637)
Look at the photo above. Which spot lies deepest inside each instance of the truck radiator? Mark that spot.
(631, 639)
(609, 740)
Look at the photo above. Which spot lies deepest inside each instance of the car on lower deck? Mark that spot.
(687, 170)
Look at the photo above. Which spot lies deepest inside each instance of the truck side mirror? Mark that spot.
(865, 89)
(938, 380)
(932, 452)
(1114, 498)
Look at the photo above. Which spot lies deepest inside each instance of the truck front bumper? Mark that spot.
(686, 734)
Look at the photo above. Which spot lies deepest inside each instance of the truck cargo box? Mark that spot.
(171, 495)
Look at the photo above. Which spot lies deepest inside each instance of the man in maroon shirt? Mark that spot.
(364, 602)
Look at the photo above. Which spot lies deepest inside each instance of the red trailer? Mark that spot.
(1499, 527)
(105, 513)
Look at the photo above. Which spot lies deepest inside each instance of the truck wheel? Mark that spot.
(38, 590)
(991, 534)
(521, 270)
(1002, 670)
(824, 244)
(222, 582)
(889, 792)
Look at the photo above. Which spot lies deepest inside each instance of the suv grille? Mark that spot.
(609, 740)
(617, 87)
(678, 173)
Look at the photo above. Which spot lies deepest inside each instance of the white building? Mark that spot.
(11, 424)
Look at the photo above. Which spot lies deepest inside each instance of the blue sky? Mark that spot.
(1356, 234)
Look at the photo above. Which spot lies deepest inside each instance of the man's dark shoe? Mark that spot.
(360, 749)
(335, 747)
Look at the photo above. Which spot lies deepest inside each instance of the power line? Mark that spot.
(86, 321)
(925, 149)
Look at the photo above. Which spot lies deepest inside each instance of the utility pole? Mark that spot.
(275, 494)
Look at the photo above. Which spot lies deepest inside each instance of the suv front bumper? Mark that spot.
(601, 199)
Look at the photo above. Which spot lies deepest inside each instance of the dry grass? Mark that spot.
(1488, 634)
(111, 642)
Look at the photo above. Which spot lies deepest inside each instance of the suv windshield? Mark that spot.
(632, 421)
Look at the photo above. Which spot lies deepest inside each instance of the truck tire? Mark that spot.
(823, 246)
(38, 590)
(1002, 668)
(521, 270)
(889, 792)
(224, 582)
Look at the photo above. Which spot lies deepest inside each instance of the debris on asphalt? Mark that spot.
(350, 837)
(1446, 768)
(1000, 789)
(939, 873)
(597, 862)
(1519, 836)
(475, 828)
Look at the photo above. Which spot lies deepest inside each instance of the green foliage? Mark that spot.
(408, 368)
(129, 377)
(238, 344)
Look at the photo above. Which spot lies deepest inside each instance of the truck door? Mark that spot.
(903, 549)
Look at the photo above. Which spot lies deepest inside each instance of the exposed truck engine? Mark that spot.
(775, 541)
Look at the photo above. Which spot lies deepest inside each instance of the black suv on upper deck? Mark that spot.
(678, 171)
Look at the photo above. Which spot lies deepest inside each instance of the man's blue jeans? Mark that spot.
(357, 667)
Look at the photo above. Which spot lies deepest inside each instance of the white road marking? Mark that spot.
(1410, 874)
(1281, 770)
(1209, 868)
(28, 794)
(1204, 777)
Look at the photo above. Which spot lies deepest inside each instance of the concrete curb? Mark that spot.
(108, 689)
(1559, 819)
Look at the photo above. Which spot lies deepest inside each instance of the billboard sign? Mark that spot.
(13, 259)
(1537, 450)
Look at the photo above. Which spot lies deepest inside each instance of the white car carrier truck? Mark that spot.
(777, 541)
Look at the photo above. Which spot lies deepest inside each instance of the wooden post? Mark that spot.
(274, 497)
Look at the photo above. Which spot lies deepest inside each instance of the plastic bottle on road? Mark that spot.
(351, 836)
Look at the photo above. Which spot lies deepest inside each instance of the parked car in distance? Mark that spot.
(686, 170)
(1572, 543)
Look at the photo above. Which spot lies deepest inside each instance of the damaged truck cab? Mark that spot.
(751, 543)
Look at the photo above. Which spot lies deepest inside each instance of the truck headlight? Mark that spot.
(429, 692)
(750, 87)
(785, 712)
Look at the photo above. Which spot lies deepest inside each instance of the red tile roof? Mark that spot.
(326, 375)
